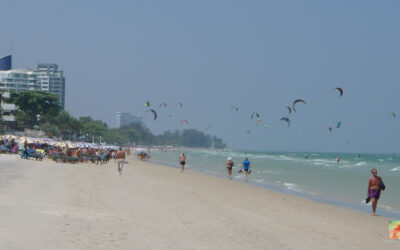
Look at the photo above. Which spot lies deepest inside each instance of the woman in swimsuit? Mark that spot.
(374, 192)
(229, 165)
(183, 162)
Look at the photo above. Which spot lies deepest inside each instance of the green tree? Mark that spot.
(34, 103)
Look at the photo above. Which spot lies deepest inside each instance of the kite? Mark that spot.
(185, 121)
(234, 108)
(298, 100)
(163, 104)
(289, 109)
(258, 120)
(393, 114)
(255, 114)
(286, 120)
(340, 90)
(154, 113)
(330, 129)
(339, 124)
(147, 104)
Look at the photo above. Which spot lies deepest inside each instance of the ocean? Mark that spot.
(316, 176)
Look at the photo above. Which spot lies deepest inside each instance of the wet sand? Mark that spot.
(48, 205)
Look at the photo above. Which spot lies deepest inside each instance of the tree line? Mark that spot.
(41, 110)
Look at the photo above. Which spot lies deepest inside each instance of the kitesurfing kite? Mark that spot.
(294, 103)
(147, 104)
(340, 90)
(286, 120)
(163, 104)
(154, 113)
(289, 109)
(258, 120)
(330, 129)
(255, 114)
(339, 124)
(234, 108)
(184, 121)
(393, 114)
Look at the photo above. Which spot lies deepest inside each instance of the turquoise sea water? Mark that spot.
(316, 176)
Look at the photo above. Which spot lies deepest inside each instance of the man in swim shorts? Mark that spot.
(374, 191)
(120, 157)
(182, 162)
(246, 167)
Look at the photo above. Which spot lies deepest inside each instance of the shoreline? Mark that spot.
(352, 206)
(150, 206)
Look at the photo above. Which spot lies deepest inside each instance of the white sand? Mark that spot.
(63, 206)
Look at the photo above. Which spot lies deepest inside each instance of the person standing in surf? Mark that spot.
(182, 162)
(375, 185)
(229, 166)
(246, 167)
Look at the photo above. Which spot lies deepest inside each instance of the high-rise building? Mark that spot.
(19, 80)
(6, 63)
(125, 119)
(46, 77)
(51, 79)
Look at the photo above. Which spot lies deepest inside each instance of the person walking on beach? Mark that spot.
(182, 162)
(229, 166)
(120, 157)
(246, 167)
(375, 185)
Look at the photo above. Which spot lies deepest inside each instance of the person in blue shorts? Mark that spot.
(246, 167)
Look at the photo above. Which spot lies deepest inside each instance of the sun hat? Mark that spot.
(229, 158)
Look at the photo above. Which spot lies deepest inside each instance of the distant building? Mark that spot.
(7, 109)
(6, 63)
(51, 79)
(19, 80)
(46, 77)
(125, 119)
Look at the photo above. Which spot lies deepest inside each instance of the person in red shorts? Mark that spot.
(375, 185)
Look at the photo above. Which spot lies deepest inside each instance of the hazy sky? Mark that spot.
(211, 55)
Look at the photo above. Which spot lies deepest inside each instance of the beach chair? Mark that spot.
(88, 157)
(65, 159)
(34, 155)
(24, 154)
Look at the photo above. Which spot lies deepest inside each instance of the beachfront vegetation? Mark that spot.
(41, 110)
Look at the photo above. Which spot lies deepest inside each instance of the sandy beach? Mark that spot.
(48, 205)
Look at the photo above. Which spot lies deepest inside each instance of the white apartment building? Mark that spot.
(7, 109)
(125, 119)
(51, 79)
(19, 80)
(46, 77)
